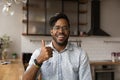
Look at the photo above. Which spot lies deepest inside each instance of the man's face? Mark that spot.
(60, 32)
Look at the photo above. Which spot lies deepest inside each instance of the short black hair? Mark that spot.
(57, 16)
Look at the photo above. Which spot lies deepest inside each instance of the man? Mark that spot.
(59, 60)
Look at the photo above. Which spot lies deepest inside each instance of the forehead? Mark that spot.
(61, 22)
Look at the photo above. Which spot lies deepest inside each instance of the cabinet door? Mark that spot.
(36, 17)
(52, 7)
(40, 11)
(70, 8)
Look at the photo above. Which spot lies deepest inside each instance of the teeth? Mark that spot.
(60, 36)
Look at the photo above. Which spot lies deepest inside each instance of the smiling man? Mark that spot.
(58, 60)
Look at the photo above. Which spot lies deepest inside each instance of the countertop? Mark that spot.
(12, 71)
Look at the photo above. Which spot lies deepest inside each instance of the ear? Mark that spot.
(51, 32)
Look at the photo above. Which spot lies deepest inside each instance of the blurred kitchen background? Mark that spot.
(98, 46)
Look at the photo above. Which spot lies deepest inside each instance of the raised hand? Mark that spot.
(45, 54)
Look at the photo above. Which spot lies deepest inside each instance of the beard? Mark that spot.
(61, 43)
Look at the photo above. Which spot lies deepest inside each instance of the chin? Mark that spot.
(62, 43)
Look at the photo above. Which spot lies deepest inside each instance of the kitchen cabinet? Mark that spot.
(73, 14)
(38, 13)
(103, 70)
(52, 7)
(35, 17)
(83, 15)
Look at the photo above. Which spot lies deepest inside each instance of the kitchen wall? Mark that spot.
(13, 26)
(110, 19)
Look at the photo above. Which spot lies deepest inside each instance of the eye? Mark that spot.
(65, 28)
(56, 28)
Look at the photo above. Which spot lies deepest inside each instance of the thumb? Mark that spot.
(43, 43)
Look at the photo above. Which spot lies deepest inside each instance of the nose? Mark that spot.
(61, 30)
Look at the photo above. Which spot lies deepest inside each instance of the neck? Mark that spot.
(58, 47)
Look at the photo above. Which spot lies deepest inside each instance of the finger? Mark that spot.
(43, 43)
(49, 48)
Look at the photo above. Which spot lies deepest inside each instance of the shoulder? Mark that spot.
(75, 47)
(78, 50)
(35, 53)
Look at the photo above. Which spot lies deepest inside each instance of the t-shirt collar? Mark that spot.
(68, 46)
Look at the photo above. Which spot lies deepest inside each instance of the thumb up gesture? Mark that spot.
(45, 53)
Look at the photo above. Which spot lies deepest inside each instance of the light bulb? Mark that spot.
(7, 10)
